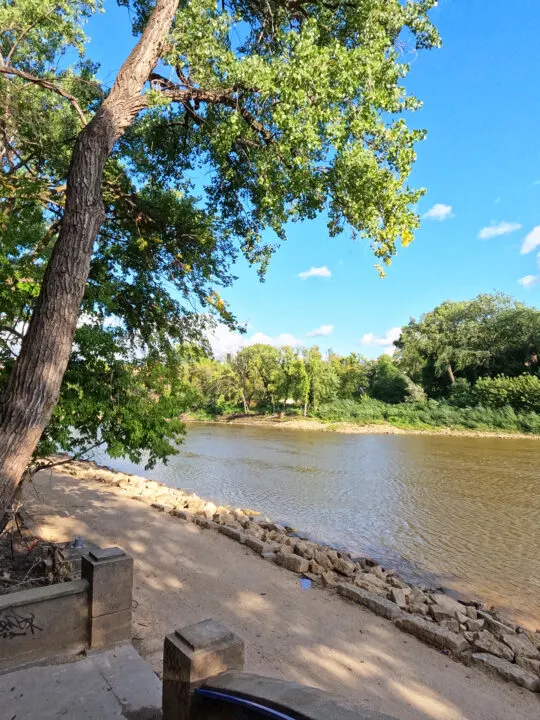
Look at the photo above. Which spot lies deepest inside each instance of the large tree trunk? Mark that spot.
(34, 385)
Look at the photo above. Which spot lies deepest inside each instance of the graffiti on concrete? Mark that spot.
(14, 624)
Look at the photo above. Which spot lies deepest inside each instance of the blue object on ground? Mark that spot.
(305, 583)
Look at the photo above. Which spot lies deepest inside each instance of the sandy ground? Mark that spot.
(184, 574)
(299, 423)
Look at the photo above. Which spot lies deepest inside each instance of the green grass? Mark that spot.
(431, 414)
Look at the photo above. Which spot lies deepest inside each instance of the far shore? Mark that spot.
(313, 424)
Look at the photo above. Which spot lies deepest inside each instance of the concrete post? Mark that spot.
(191, 656)
(110, 574)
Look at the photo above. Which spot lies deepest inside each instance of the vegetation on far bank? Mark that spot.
(432, 415)
(467, 365)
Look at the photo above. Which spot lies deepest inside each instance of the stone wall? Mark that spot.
(62, 620)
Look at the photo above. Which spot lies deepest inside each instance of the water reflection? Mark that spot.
(465, 510)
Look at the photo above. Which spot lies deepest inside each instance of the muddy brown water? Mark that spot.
(456, 511)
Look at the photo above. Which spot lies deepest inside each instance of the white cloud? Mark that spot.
(439, 212)
(224, 341)
(321, 331)
(315, 272)
(283, 339)
(496, 229)
(386, 340)
(532, 241)
(529, 281)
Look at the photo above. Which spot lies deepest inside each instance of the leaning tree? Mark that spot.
(254, 112)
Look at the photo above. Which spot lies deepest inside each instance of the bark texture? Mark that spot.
(34, 385)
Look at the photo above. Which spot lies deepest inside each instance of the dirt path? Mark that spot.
(184, 574)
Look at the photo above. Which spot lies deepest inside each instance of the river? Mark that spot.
(461, 512)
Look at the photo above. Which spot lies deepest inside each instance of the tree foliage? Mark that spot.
(235, 100)
(491, 344)
(483, 337)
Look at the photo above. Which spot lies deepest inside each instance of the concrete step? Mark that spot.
(109, 685)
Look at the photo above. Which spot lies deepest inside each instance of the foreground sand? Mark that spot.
(184, 574)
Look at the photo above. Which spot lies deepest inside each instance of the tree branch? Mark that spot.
(27, 30)
(48, 85)
(226, 96)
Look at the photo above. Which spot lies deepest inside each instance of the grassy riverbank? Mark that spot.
(370, 417)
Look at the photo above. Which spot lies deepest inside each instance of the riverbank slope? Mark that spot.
(184, 574)
(383, 428)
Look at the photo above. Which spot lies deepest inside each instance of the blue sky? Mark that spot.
(480, 164)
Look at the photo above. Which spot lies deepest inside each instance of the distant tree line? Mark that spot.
(481, 353)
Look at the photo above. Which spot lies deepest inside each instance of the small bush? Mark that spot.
(364, 411)
(521, 392)
(461, 394)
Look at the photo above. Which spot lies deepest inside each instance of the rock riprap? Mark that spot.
(465, 630)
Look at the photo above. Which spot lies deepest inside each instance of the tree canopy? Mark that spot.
(234, 99)
(486, 336)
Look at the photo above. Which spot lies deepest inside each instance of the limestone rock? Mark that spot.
(329, 580)
(317, 579)
(471, 613)
(379, 572)
(445, 602)
(376, 589)
(496, 627)
(487, 643)
(332, 555)
(374, 580)
(520, 645)
(378, 605)
(419, 608)
(506, 670)
(450, 624)
(417, 596)
(446, 607)
(322, 559)
(259, 546)
(210, 509)
(292, 562)
(398, 596)
(396, 582)
(286, 549)
(344, 567)
(232, 532)
(475, 625)
(315, 568)
(254, 529)
(303, 549)
(432, 634)
(528, 664)
(204, 522)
